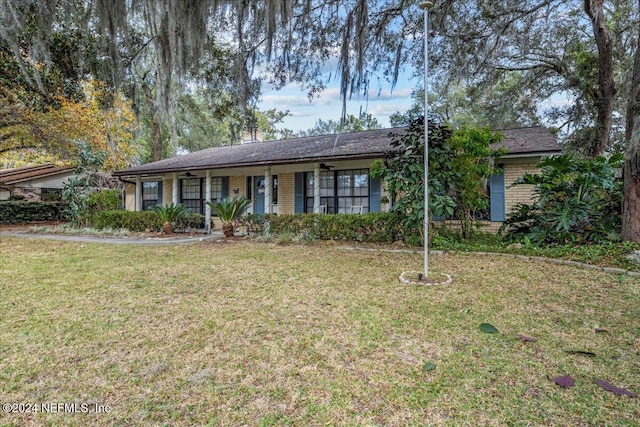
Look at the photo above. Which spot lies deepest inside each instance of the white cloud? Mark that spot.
(379, 102)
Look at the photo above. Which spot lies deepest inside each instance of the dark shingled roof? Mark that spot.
(347, 146)
(15, 175)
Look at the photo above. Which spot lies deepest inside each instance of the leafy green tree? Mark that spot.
(351, 123)
(79, 187)
(459, 161)
(476, 105)
(577, 200)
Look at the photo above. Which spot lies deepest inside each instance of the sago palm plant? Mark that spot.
(230, 210)
(168, 214)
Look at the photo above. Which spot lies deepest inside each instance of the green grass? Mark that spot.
(609, 254)
(243, 333)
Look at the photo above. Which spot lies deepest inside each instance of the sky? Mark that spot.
(380, 103)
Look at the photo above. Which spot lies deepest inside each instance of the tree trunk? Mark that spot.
(167, 228)
(156, 127)
(633, 106)
(631, 191)
(631, 171)
(606, 92)
(227, 229)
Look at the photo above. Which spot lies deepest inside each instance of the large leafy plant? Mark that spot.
(229, 211)
(576, 199)
(169, 214)
(79, 187)
(459, 162)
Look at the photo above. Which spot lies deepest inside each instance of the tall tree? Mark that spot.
(606, 89)
(350, 123)
(631, 169)
(549, 42)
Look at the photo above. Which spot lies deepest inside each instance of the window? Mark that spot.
(150, 191)
(216, 190)
(191, 190)
(327, 192)
(50, 194)
(353, 190)
(193, 193)
(340, 191)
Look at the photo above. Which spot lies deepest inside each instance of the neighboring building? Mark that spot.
(34, 183)
(327, 174)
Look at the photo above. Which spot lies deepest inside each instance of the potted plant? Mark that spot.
(229, 211)
(169, 214)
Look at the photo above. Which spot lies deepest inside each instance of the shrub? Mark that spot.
(190, 220)
(18, 211)
(459, 162)
(105, 200)
(253, 222)
(133, 221)
(577, 200)
(372, 227)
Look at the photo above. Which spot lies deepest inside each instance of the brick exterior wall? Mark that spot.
(514, 195)
(31, 194)
(237, 182)
(486, 226)
(286, 193)
(520, 193)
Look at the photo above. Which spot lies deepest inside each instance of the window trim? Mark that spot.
(333, 202)
(150, 203)
(203, 191)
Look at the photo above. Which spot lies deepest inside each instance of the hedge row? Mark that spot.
(371, 227)
(18, 211)
(140, 221)
(133, 221)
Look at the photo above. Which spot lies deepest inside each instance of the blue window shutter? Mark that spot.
(375, 193)
(225, 187)
(496, 185)
(299, 193)
(160, 192)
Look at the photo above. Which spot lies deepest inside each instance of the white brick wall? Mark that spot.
(521, 193)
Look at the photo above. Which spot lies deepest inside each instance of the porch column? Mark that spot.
(207, 198)
(316, 188)
(174, 193)
(138, 193)
(268, 206)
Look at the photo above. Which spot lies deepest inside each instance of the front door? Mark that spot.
(259, 185)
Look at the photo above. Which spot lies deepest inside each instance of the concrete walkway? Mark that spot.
(131, 240)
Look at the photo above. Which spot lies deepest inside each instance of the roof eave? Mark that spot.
(545, 153)
(31, 178)
(293, 161)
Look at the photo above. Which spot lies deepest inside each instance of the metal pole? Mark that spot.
(426, 6)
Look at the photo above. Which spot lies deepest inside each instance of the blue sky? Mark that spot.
(380, 103)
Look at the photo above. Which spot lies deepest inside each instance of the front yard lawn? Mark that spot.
(244, 333)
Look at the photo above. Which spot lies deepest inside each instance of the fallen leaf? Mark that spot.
(617, 390)
(565, 381)
(581, 352)
(428, 366)
(525, 338)
(488, 328)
